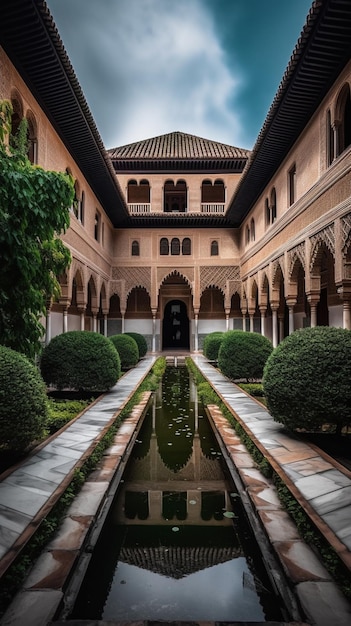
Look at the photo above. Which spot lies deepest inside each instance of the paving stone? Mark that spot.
(88, 500)
(264, 498)
(279, 525)
(299, 562)
(51, 570)
(71, 533)
(32, 608)
(324, 604)
(313, 486)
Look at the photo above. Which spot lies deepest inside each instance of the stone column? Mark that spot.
(251, 316)
(263, 320)
(153, 349)
(105, 325)
(281, 327)
(64, 320)
(291, 304)
(196, 346)
(274, 325)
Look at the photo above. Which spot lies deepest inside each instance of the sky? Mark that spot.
(205, 67)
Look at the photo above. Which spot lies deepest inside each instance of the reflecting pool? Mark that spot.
(176, 544)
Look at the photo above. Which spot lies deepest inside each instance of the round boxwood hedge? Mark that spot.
(127, 349)
(211, 345)
(141, 343)
(307, 379)
(242, 355)
(23, 401)
(82, 360)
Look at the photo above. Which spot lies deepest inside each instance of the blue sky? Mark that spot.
(206, 67)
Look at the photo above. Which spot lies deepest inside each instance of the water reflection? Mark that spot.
(176, 545)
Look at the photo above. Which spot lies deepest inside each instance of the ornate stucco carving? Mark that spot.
(345, 232)
(133, 277)
(297, 253)
(325, 237)
(184, 272)
(223, 277)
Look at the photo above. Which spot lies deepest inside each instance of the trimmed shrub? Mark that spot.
(307, 379)
(242, 355)
(23, 401)
(127, 349)
(212, 343)
(141, 343)
(81, 360)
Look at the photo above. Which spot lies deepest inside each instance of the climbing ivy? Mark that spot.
(34, 211)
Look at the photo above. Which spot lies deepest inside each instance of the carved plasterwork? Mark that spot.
(325, 237)
(185, 272)
(346, 230)
(223, 277)
(277, 266)
(133, 277)
(297, 253)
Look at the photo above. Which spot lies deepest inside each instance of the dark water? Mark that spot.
(176, 545)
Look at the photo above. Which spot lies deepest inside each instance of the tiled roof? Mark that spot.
(178, 151)
(178, 146)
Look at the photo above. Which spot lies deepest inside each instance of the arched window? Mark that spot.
(330, 140)
(186, 246)
(247, 234)
(273, 205)
(212, 193)
(32, 136)
(343, 113)
(17, 115)
(175, 246)
(214, 248)
(252, 230)
(175, 196)
(75, 205)
(164, 246)
(97, 226)
(135, 248)
(267, 212)
(82, 208)
(292, 185)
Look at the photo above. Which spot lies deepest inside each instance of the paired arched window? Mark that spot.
(175, 196)
(138, 193)
(343, 115)
(212, 193)
(175, 246)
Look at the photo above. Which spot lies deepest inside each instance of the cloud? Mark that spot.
(150, 67)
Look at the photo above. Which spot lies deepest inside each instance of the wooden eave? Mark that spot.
(321, 53)
(30, 39)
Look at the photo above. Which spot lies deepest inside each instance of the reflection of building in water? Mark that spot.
(155, 493)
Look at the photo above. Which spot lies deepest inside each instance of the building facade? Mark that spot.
(176, 236)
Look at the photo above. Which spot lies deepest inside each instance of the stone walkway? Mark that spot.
(321, 486)
(28, 492)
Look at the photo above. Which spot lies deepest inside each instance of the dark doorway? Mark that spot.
(175, 331)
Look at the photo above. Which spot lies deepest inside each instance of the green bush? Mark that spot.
(127, 349)
(23, 401)
(141, 343)
(242, 355)
(307, 379)
(81, 360)
(212, 343)
(63, 411)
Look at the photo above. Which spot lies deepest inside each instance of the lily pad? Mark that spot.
(229, 514)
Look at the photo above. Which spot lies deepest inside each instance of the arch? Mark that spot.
(214, 248)
(138, 303)
(273, 200)
(330, 139)
(343, 117)
(186, 246)
(175, 246)
(175, 325)
(32, 135)
(17, 114)
(252, 230)
(135, 248)
(138, 193)
(212, 192)
(247, 234)
(212, 303)
(175, 274)
(164, 246)
(175, 196)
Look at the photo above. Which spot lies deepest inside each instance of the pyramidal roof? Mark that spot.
(178, 145)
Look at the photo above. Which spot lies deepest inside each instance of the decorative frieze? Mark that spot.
(219, 276)
(345, 232)
(133, 277)
(325, 237)
(296, 254)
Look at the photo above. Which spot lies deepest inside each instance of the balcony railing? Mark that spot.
(212, 207)
(139, 209)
